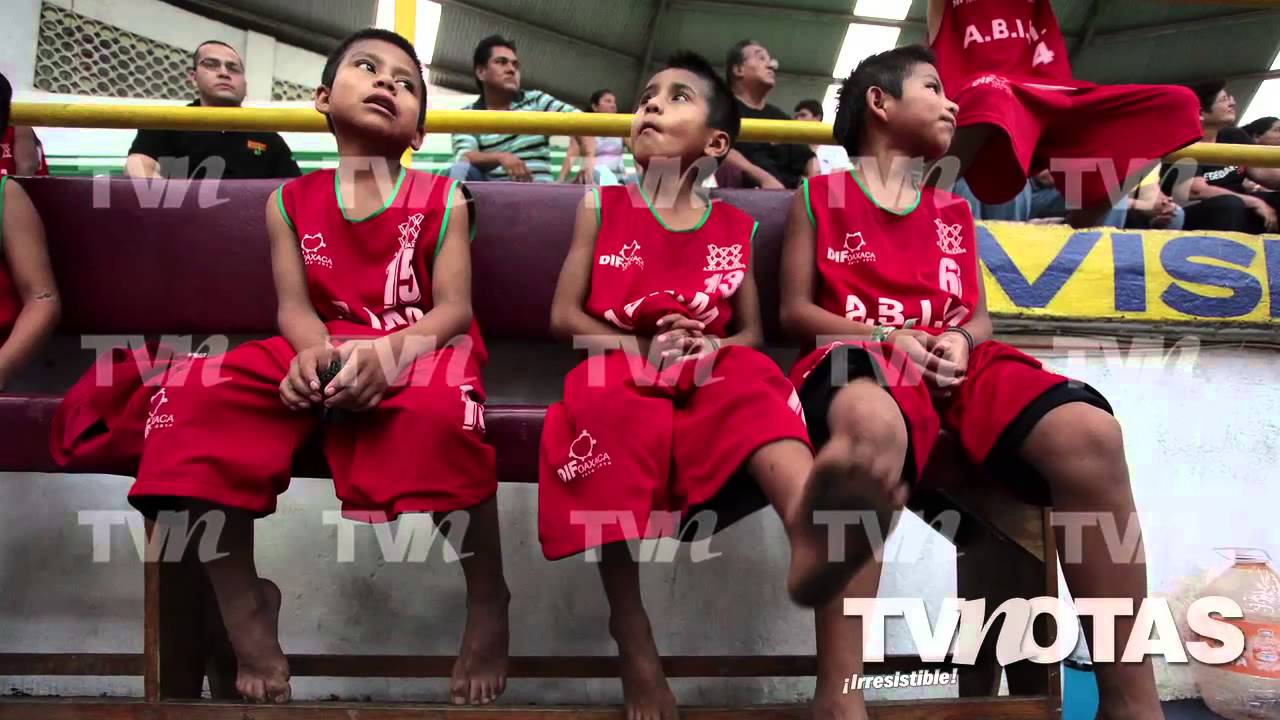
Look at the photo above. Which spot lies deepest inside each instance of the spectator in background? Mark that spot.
(1264, 131)
(1216, 197)
(500, 156)
(217, 72)
(1150, 208)
(610, 168)
(752, 74)
(831, 158)
(21, 152)
(29, 303)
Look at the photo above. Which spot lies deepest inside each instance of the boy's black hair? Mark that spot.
(813, 106)
(484, 51)
(1207, 92)
(195, 54)
(335, 59)
(722, 109)
(888, 71)
(1259, 127)
(6, 98)
(597, 96)
(735, 57)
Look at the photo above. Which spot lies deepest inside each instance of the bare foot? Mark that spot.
(817, 574)
(834, 704)
(262, 673)
(644, 684)
(480, 672)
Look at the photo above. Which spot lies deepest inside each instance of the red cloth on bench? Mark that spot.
(99, 424)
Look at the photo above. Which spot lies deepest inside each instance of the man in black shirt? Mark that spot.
(218, 75)
(752, 74)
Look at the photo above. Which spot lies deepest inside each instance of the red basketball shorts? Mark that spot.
(232, 442)
(1104, 134)
(1004, 394)
(622, 459)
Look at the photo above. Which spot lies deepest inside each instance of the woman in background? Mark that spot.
(1264, 131)
(609, 150)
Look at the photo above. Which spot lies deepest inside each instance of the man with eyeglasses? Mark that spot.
(752, 74)
(217, 72)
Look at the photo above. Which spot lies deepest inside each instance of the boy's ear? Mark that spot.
(718, 145)
(322, 100)
(418, 137)
(876, 100)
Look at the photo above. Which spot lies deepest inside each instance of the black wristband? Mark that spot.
(968, 336)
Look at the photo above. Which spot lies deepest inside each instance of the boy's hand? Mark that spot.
(363, 380)
(951, 346)
(301, 387)
(703, 345)
(940, 371)
(676, 337)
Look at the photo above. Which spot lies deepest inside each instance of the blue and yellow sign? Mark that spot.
(1053, 271)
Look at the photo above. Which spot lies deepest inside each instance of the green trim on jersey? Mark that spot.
(395, 192)
(754, 229)
(873, 199)
(284, 213)
(705, 216)
(448, 210)
(808, 203)
(599, 202)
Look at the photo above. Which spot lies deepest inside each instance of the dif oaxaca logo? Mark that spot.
(583, 459)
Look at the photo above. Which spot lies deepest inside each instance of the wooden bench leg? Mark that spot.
(981, 572)
(183, 633)
(997, 570)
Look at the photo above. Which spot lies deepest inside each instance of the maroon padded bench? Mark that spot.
(200, 268)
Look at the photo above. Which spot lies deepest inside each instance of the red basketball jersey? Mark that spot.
(10, 302)
(644, 270)
(879, 267)
(1016, 39)
(375, 271)
(9, 163)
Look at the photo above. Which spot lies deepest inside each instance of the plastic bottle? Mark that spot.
(1249, 688)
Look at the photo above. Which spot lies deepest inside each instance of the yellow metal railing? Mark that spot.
(450, 121)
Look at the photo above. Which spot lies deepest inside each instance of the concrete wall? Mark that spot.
(1201, 437)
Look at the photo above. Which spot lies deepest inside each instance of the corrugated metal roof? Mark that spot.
(336, 18)
(573, 47)
(567, 70)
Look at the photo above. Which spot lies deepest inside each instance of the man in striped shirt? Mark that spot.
(497, 156)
